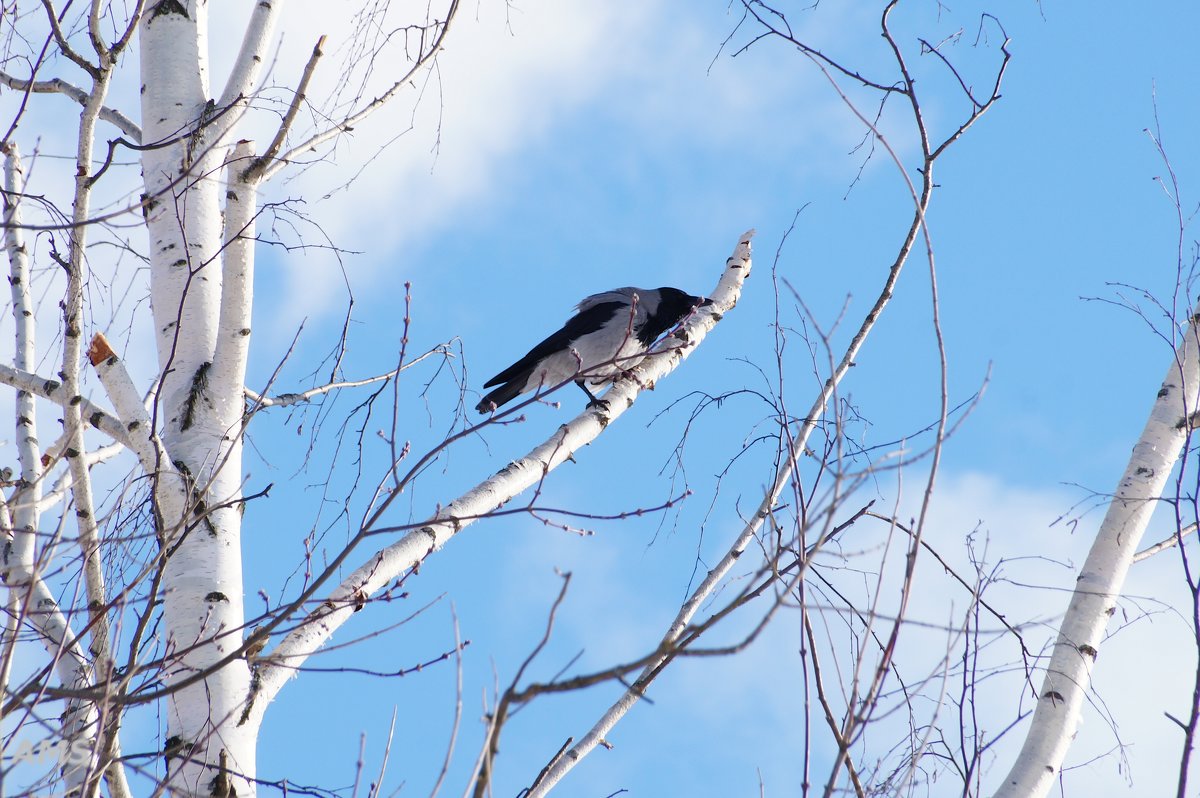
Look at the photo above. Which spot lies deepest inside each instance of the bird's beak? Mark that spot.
(705, 303)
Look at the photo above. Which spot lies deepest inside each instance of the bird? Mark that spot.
(608, 335)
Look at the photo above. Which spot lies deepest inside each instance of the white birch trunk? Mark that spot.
(182, 206)
(200, 407)
(25, 509)
(1060, 702)
(29, 594)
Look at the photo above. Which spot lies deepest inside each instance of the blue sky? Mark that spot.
(587, 148)
(584, 146)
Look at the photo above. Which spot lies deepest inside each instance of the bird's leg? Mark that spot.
(592, 400)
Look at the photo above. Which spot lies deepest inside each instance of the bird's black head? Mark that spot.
(675, 304)
(672, 306)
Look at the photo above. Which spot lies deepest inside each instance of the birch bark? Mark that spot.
(207, 752)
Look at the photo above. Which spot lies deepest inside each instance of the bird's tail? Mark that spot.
(502, 395)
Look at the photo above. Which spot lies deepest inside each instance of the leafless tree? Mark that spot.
(124, 529)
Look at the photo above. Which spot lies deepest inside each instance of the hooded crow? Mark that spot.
(608, 336)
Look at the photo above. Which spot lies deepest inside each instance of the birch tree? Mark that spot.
(128, 578)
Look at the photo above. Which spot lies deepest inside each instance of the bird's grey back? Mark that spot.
(622, 295)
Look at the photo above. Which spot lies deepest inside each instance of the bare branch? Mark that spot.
(72, 92)
(353, 119)
(64, 46)
(286, 399)
(500, 716)
(25, 351)
(82, 727)
(259, 166)
(1167, 543)
(56, 392)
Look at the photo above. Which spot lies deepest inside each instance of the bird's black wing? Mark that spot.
(579, 325)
